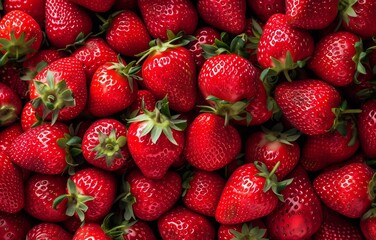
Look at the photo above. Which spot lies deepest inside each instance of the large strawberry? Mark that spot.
(14, 226)
(156, 139)
(48, 231)
(59, 91)
(10, 105)
(251, 192)
(20, 36)
(95, 5)
(347, 190)
(367, 127)
(163, 15)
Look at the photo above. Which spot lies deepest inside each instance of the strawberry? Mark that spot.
(144, 99)
(347, 190)
(148, 199)
(181, 223)
(227, 15)
(32, 7)
(311, 14)
(20, 36)
(272, 146)
(368, 225)
(11, 186)
(254, 230)
(89, 194)
(10, 105)
(59, 15)
(91, 231)
(49, 231)
(40, 191)
(156, 139)
(127, 34)
(104, 144)
(96, 5)
(210, 144)
(29, 117)
(202, 191)
(251, 192)
(113, 88)
(300, 216)
(8, 135)
(264, 9)
(307, 104)
(10, 75)
(366, 126)
(169, 69)
(59, 91)
(14, 226)
(162, 15)
(282, 47)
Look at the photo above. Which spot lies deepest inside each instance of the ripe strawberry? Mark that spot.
(162, 15)
(11, 186)
(113, 88)
(91, 231)
(96, 5)
(144, 99)
(210, 144)
(368, 225)
(59, 91)
(251, 192)
(254, 230)
(35, 8)
(156, 140)
(65, 21)
(40, 191)
(127, 34)
(347, 190)
(20, 36)
(366, 126)
(29, 117)
(227, 15)
(49, 231)
(14, 226)
(311, 14)
(183, 224)
(10, 75)
(8, 135)
(307, 104)
(94, 53)
(90, 194)
(272, 146)
(264, 9)
(202, 191)
(10, 105)
(104, 144)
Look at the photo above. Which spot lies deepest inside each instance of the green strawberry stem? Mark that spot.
(129, 71)
(277, 134)
(7, 114)
(15, 48)
(346, 10)
(31, 73)
(187, 178)
(106, 23)
(342, 115)
(72, 146)
(128, 199)
(249, 232)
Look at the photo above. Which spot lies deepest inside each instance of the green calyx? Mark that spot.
(271, 181)
(277, 134)
(173, 41)
(129, 71)
(127, 199)
(15, 48)
(117, 232)
(160, 121)
(106, 23)
(53, 96)
(109, 146)
(359, 59)
(75, 201)
(254, 40)
(79, 41)
(228, 110)
(72, 145)
(8, 114)
(371, 213)
(249, 232)
(346, 9)
(31, 73)
(187, 178)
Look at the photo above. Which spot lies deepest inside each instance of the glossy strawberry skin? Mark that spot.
(153, 197)
(367, 127)
(172, 73)
(345, 190)
(28, 116)
(48, 230)
(90, 231)
(14, 226)
(162, 15)
(31, 7)
(149, 102)
(181, 223)
(264, 9)
(40, 192)
(8, 135)
(228, 77)
(307, 104)
(210, 145)
(10, 104)
(139, 231)
(278, 37)
(243, 198)
(46, 55)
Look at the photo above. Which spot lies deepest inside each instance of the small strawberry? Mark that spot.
(183, 224)
(35, 8)
(91, 231)
(50, 231)
(14, 226)
(255, 229)
(366, 127)
(8, 135)
(10, 105)
(264, 9)
(95, 5)
(368, 225)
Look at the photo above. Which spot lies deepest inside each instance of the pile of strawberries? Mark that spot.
(188, 119)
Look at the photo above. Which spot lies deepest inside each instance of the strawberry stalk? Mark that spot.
(249, 232)
(15, 48)
(119, 230)
(277, 134)
(129, 71)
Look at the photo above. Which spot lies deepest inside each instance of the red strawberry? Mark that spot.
(156, 140)
(59, 91)
(20, 36)
(48, 231)
(144, 97)
(300, 216)
(163, 15)
(183, 224)
(307, 104)
(346, 189)
(202, 191)
(113, 88)
(227, 15)
(14, 226)
(10, 105)
(91, 231)
(210, 145)
(368, 225)
(10, 75)
(29, 117)
(136, 230)
(65, 21)
(95, 5)
(104, 144)
(251, 192)
(11, 186)
(40, 191)
(35, 8)
(253, 230)
(127, 34)
(8, 135)
(310, 14)
(264, 9)
(272, 146)
(148, 199)
(367, 126)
